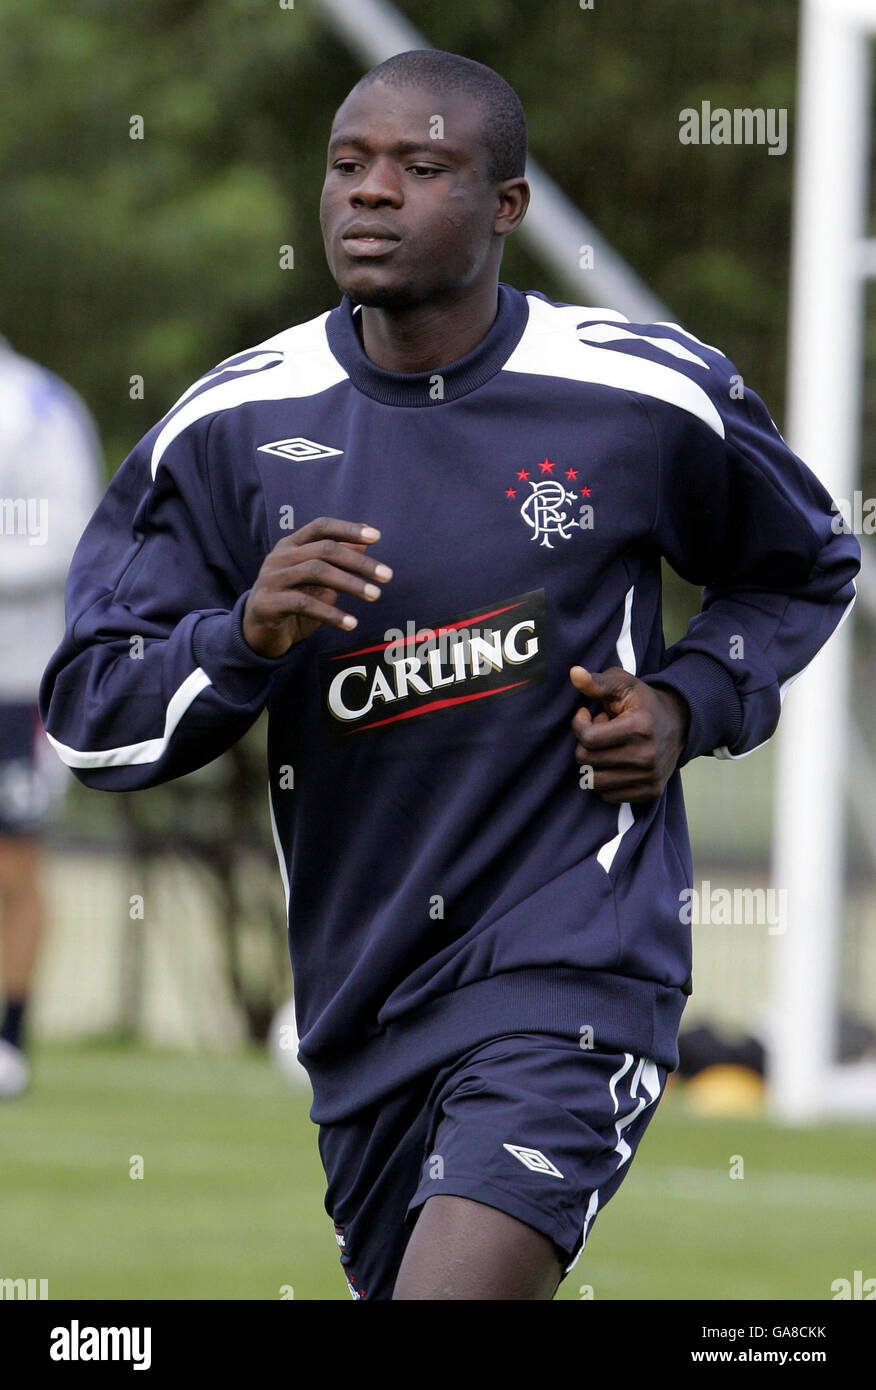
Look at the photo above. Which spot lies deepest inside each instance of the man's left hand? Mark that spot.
(634, 743)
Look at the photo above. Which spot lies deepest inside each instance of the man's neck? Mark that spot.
(427, 336)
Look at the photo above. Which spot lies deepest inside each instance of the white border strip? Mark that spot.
(627, 657)
(152, 749)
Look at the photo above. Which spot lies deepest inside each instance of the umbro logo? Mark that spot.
(299, 449)
(533, 1159)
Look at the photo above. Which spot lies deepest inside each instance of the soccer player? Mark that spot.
(49, 486)
(474, 782)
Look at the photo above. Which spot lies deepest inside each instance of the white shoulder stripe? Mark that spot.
(252, 364)
(662, 323)
(542, 352)
(610, 333)
(151, 749)
(303, 366)
(559, 318)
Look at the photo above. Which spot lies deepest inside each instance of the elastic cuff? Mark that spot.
(712, 698)
(238, 674)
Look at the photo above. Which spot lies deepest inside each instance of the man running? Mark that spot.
(425, 529)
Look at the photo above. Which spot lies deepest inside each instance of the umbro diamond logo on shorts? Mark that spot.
(533, 1159)
(299, 448)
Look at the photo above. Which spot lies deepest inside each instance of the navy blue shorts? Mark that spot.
(532, 1123)
(32, 776)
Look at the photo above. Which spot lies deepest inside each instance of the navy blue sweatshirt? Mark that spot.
(448, 876)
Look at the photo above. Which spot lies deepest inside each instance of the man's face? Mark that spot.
(431, 197)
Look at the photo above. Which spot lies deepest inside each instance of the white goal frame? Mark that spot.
(831, 260)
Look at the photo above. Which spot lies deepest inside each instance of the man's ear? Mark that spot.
(513, 198)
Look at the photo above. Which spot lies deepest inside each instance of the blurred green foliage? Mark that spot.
(160, 256)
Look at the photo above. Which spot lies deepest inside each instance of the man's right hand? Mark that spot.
(299, 581)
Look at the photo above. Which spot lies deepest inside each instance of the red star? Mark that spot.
(571, 472)
(546, 466)
(585, 492)
(523, 475)
(510, 492)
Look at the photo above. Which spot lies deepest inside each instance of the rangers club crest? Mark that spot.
(549, 508)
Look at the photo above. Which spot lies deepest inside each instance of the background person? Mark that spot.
(49, 485)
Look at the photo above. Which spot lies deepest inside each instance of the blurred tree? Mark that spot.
(157, 256)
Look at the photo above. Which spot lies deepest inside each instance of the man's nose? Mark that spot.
(379, 183)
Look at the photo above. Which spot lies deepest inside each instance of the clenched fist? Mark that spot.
(636, 740)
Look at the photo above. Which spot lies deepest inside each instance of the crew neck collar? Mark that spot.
(420, 388)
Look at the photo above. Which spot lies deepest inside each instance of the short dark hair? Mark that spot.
(503, 124)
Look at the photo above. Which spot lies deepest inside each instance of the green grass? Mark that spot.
(230, 1205)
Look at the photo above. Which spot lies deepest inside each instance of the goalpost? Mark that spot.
(831, 260)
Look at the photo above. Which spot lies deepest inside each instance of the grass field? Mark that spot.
(230, 1204)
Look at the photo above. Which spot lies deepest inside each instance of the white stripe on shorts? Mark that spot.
(646, 1075)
